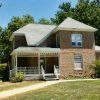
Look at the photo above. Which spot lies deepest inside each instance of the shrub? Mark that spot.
(95, 67)
(19, 77)
(13, 79)
(4, 72)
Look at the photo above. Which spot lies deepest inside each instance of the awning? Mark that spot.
(35, 50)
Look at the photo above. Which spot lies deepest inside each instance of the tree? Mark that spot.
(85, 11)
(18, 22)
(0, 29)
(13, 25)
(0, 4)
(44, 21)
(64, 12)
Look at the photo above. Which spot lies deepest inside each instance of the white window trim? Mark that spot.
(78, 68)
(81, 62)
(76, 42)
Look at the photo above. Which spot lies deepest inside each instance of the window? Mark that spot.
(78, 61)
(76, 40)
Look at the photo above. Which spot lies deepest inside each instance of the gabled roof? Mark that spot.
(34, 33)
(37, 33)
(74, 25)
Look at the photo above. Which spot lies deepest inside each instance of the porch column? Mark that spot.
(59, 62)
(39, 62)
(16, 63)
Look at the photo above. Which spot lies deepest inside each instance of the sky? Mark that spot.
(37, 8)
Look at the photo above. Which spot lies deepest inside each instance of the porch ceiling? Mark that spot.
(35, 51)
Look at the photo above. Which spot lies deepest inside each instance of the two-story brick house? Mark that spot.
(45, 51)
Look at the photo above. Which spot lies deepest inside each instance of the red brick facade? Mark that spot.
(67, 52)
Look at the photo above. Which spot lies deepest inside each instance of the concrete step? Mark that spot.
(50, 77)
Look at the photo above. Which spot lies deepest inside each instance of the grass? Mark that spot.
(85, 90)
(8, 85)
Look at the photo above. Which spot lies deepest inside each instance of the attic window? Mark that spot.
(76, 40)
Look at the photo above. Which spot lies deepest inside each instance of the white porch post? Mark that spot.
(16, 63)
(39, 62)
(59, 62)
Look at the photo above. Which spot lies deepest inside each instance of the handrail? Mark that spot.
(28, 70)
(43, 72)
(55, 72)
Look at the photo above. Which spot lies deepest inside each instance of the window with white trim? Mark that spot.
(76, 40)
(78, 62)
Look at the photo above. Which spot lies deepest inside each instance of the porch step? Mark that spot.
(32, 77)
(49, 77)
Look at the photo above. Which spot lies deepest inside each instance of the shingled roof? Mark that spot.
(37, 33)
(74, 25)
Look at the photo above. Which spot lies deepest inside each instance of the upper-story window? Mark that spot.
(76, 40)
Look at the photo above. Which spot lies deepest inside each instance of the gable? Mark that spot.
(35, 33)
(74, 25)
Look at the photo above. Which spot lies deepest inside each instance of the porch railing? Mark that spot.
(57, 69)
(28, 70)
(43, 72)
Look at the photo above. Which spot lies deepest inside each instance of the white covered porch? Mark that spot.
(35, 61)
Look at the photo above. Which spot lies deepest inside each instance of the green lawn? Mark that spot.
(85, 90)
(8, 85)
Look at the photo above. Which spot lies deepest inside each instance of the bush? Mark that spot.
(19, 77)
(4, 72)
(95, 69)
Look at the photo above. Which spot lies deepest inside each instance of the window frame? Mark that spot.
(76, 41)
(78, 61)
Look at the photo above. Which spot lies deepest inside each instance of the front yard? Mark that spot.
(83, 90)
(8, 85)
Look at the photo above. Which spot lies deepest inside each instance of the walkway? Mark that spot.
(12, 92)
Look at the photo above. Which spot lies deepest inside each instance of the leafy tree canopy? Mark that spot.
(44, 21)
(13, 25)
(86, 11)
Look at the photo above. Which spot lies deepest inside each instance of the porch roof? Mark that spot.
(35, 50)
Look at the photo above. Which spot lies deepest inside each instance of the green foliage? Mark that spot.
(44, 21)
(85, 11)
(96, 69)
(19, 77)
(13, 25)
(64, 12)
(4, 72)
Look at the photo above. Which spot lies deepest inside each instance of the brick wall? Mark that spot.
(97, 55)
(19, 41)
(49, 42)
(67, 52)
